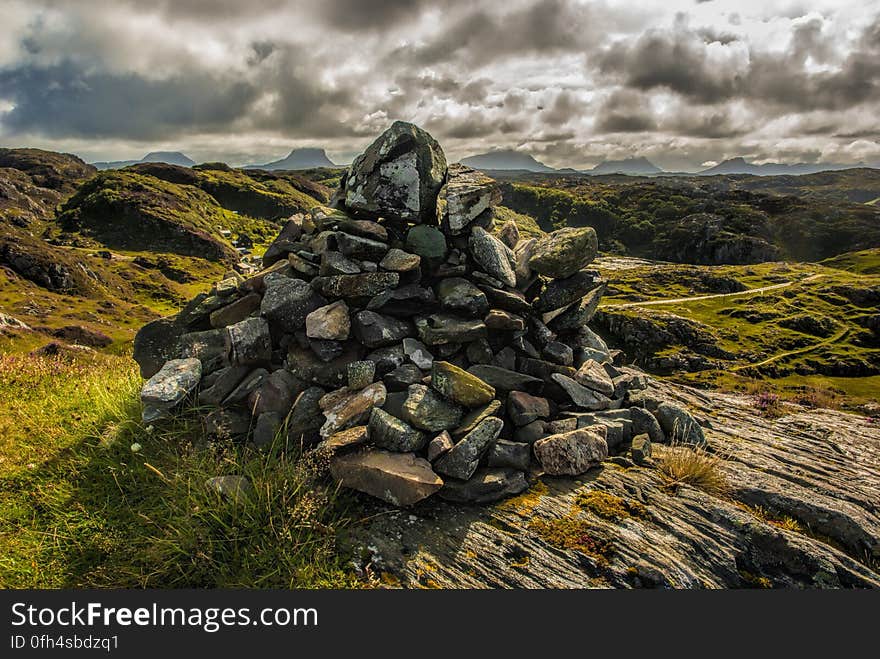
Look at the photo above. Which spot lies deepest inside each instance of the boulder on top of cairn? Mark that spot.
(398, 177)
(469, 194)
(400, 479)
(176, 380)
(562, 253)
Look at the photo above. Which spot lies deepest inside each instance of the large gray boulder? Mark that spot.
(398, 177)
(572, 453)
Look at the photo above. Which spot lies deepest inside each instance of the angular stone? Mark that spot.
(266, 429)
(330, 322)
(366, 284)
(287, 302)
(257, 282)
(522, 253)
(506, 380)
(236, 311)
(401, 377)
(276, 393)
(485, 486)
(469, 193)
(375, 330)
(401, 479)
(439, 329)
(249, 342)
(389, 432)
(504, 453)
(226, 424)
(361, 374)
(363, 228)
(523, 408)
(592, 375)
(565, 424)
(562, 253)
(559, 353)
(398, 177)
(301, 265)
(474, 417)
(326, 350)
(492, 255)
(579, 314)
(646, 423)
(156, 343)
(439, 446)
(679, 425)
(356, 247)
(226, 381)
(344, 409)
(285, 242)
(479, 352)
(524, 346)
(345, 439)
(531, 433)
(462, 460)
(498, 319)
(581, 396)
(387, 359)
(572, 453)
(505, 358)
(458, 295)
(562, 292)
(210, 347)
(176, 380)
(418, 353)
(305, 415)
(460, 386)
(426, 410)
(246, 387)
(334, 263)
(640, 451)
(429, 243)
(404, 302)
(396, 260)
(508, 300)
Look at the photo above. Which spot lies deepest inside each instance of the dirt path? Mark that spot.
(837, 337)
(696, 298)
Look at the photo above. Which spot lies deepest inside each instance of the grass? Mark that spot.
(695, 466)
(91, 498)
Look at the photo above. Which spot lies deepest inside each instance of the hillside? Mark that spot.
(710, 221)
(168, 157)
(506, 159)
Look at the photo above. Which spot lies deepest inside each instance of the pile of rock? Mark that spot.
(429, 354)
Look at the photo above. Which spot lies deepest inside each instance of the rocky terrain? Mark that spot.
(438, 365)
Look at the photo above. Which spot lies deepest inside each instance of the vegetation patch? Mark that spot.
(694, 466)
(574, 533)
(609, 506)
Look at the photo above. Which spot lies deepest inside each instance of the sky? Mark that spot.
(685, 83)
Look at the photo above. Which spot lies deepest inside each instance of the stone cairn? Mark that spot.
(396, 331)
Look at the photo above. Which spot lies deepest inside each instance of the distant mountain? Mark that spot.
(169, 157)
(298, 159)
(742, 166)
(632, 166)
(506, 159)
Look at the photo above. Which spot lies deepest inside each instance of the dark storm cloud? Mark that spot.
(679, 60)
(543, 27)
(66, 100)
(625, 111)
(359, 15)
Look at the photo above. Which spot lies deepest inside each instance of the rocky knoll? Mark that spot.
(799, 509)
(396, 329)
(434, 355)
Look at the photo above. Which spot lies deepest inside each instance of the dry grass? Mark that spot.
(681, 464)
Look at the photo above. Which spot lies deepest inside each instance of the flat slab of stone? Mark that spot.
(485, 486)
(460, 386)
(176, 380)
(401, 479)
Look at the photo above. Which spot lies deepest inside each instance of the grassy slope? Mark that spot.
(752, 327)
(79, 507)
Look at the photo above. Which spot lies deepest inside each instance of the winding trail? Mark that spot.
(696, 298)
(831, 339)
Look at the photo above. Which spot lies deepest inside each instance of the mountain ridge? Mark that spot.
(306, 158)
(169, 157)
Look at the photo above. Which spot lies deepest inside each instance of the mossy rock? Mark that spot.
(459, 385)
